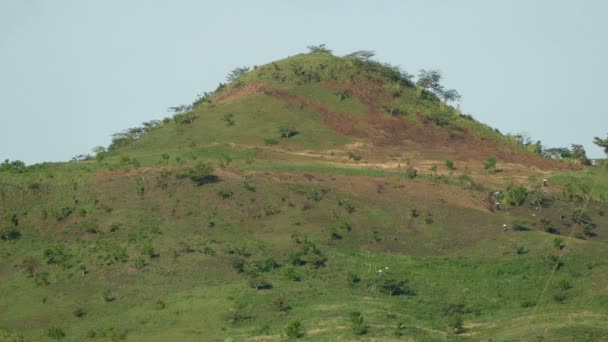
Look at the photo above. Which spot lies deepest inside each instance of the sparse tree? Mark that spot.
(237, 73)
(364, 55)
(429, 79)
(321, 48)
(450, 95)
(603, 143)
(579, 153)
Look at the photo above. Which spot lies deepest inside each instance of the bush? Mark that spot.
(293, 274)
(9, 233)
(200, 174)
(456, 323)
(354, 156)
(450, 164)
(394, 287)
(519, 225)
(259, 283)
(280, 304)
(80, 312)
(55, 333)
(294, 329)
(288, 130)
(41, 279)
(224, 193)
(515, 195)
(359, 327)
(352, 279)
(160, 305)
(333, 233)
(489, 163)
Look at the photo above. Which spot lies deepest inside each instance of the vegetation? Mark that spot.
(188, 228)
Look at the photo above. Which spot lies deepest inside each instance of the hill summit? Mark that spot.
(347, 105)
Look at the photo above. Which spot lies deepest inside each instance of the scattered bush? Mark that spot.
(200, 174)
(229, 119)
(225, 193)
(519, 225)
(80, 312)
(280, 303)
(354, 156)
(358, 323)
(258, 282)
(450, 164)
(352, 279)
(515, 195)
(160, 305)
(490, 163)
(294, 329)
(9, 233)
(393, 287)
(288, 130)
(55, 333)
(293, 274)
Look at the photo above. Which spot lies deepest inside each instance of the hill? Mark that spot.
(266, 209)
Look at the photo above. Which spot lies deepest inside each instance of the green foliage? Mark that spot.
(280, 303)
(288, 130)
(490, 163)
(228, 118)
(294, 329)
(58, 255)
(515, 195)
(55, 333)
(358, 323)
(225, 193)
(9, 233)
(352, 279)
(293, 274)
(450, 164)
(392, 286)
(79, 312)
(519, 225)
(200, 174)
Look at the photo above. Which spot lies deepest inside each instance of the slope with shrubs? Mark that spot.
(245, 217)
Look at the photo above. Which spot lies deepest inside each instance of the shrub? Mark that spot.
(288, 130)
(258, 282)
(515, 195)
(55, 333)
(354, 156)
(428, 217)
(352, 279)
(489, 163)
(41, 279)
(80, 312)
(393, 287)
(229, 119)
(160, 305)
(456, 323)
(9, 233)
(224, 193)
(200, 174)
(519, 225)
(293, 274)
(280, 304)
(294, 329)
(333, 233)
(450, 164)
(411, 173)
(358, 323)
(528, 303)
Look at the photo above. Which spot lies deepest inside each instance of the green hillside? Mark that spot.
(265, 210)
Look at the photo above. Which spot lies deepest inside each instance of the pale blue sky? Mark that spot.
(74, 72)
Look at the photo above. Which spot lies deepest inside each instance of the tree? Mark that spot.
(450, 95)
(321, 48)
(429, 79)
(603, 143)
(363, 55)
(237, 73)
(579, 153)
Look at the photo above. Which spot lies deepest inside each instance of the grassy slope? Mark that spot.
(453, 255)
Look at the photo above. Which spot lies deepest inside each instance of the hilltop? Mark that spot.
(266, 209)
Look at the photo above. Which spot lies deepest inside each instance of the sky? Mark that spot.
(73, 72)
